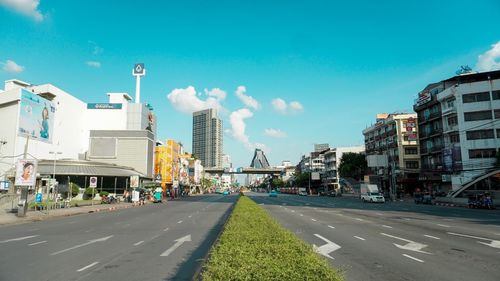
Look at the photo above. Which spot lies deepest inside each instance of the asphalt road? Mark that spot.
(394, 241)
(153, 242)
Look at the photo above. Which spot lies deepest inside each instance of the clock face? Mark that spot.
(139, 68)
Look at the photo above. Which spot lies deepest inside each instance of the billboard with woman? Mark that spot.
(26, 172)
(36, 117)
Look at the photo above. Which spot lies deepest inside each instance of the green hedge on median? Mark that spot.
(254, 246)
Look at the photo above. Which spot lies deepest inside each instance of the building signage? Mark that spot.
(423, 98)
(26, 172)
(4, 185)
(139, 69)
(36, 117)
(104, 106)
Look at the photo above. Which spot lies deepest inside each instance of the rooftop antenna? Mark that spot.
(138, 71)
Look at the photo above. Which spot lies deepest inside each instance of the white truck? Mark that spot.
(370, 193)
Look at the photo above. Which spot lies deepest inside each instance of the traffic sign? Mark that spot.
(139, 69)
(38, 198)
(93, 182)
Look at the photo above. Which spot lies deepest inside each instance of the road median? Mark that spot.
(254, 246)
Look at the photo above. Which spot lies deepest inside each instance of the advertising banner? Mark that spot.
(134, 181)
(26, 172)
(36, 117)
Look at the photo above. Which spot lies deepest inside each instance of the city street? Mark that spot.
(154, 242)
(395, 240)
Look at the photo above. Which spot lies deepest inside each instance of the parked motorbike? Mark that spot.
(109, 200)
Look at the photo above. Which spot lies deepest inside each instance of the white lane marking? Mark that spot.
(292, 211)
(413, 258)
(81, 245)
(448, 219)
(179, 222)
(410, 246)
(493, 243)
(36, 243)
(315, 208)
(190, 216)
(166, 229)
(301, 215)
(360, 238)
(261, 204)
(358, 219)
(313, 219)
(433, 237)
(177, 244)
(406, 219)
(380, 214)
(333, 227)
(443, 225)
(326, 249)
(386, 226)
(86, 267)
(18, 239)
(156, 236)
(139, 243)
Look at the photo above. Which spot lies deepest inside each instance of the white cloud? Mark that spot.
(279, 105)
(249, 101)
(96, 50)
(12, 67)
(216, 93)
(95, 64)
(275, 133)
(25, 7)
(296, 106)
(490, 60)
(238, 126)
(186, 100)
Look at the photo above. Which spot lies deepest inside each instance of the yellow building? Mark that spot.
(167, 163)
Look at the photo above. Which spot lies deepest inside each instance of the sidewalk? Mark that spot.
(32, 216)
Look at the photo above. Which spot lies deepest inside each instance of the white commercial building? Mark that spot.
(51, 123)
(332, 161)
(470, 109)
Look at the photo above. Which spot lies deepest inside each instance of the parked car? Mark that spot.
(225, 192)
(273, 194)
(303, 193)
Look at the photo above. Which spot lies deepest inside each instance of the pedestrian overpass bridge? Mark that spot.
(248, 170)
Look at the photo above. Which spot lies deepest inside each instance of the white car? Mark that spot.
(372, 197)
(303, 193)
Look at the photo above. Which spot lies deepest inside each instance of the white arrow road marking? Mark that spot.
(36, 243)
(413, 258)
(326, 249)
(411, 246)
(18, 239)
(82, 245)
(88, 266)
(177, 244)
(492, 243)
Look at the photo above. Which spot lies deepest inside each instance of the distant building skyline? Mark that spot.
(207, 137)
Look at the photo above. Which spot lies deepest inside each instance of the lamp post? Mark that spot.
(54, 172)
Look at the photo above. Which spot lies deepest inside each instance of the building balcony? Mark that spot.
(450, 129)
(449, 111)
(424, 119)
(423, 134)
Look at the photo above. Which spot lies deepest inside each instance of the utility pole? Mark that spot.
(23, 200)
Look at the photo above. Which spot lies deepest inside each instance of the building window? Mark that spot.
(450, 103)
(497, 113)
(454, 138)
(476, 97)
(482, 153)
(480, 134)
(452, 121)
(411, 150)
(496, 95)
(477, 115)
(411, 164)
(498, 133)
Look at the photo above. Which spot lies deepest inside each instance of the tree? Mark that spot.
(302, 179)
(278, 183)
(75, 189)
(352, 165)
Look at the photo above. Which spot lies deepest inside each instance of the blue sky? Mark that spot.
(340, 63)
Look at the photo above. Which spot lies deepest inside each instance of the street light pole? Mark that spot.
(54, 173)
